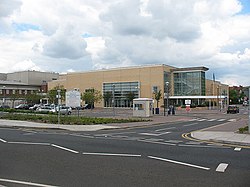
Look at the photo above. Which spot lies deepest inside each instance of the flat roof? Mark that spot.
(201, 68)
(198, 97)
(123, 68)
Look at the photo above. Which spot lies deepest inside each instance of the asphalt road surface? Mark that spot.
(146, 156)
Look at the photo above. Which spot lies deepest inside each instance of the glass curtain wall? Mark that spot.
(189, 83)
(124, 93)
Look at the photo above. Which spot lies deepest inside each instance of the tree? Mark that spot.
(91, 96)
(14, 97)
(157, 96)
(130, 96)
(33, 98)
(107, 97)
(52, 94)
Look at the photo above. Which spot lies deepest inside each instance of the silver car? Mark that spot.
(65, 110)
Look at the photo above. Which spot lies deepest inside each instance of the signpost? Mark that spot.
(188, 103)
(249, 110)
(73, 98)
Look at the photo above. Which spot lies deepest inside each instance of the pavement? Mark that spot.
(226, 133)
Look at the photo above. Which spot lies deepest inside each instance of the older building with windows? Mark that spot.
(15, 86)
(175, 84)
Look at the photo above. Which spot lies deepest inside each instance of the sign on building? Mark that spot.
(188, 102)
(73, 98)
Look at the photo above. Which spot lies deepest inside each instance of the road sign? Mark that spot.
(73, 98)
(188, 102)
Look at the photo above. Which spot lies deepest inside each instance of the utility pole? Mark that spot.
(113, 99)
(249, 110)
(59, 103)
(166, 90)
(4, 95)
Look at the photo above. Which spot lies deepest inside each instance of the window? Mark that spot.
(154, 89)
(139, 107)
(123, 92)
(189, 83)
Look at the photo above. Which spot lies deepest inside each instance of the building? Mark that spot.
(175, 84)
(15, 85)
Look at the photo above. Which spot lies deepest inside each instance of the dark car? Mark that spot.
(4, 106)
(233, 109)
(88, 106)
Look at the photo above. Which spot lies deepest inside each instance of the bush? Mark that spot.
(243, 130)
(68, 120)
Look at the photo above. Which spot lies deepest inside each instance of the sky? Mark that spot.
(82, 35)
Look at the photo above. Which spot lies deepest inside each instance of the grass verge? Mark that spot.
(66, 119)
(243, 130)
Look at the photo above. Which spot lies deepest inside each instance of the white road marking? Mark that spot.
(202, 120)
(152, 134)
(192, 142)
(178, 162)
(161, 143)
(119, 136)
(237, 149)
(154, 139)
(190, 124)
(64, 148)
(221, 167)
(211, 120)
(173, 141)
(165, 129)
(132, 138)
(83, 136)
(2, 140)
(112, 154)
(29, 143)
(202, 146)
(25, 183)
(221, 119)
(232, 120)
(29, 133)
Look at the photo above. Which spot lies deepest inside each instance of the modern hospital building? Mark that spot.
(176, 84)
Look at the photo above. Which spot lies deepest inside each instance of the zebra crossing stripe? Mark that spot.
(202, 120)
(221, 119)
(211, 120)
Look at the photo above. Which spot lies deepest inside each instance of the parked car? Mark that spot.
(4, 106)
(88, 106)
(22, 107)
(65, 110)
(233, 109)
(34, 107)
(245, 103)
(43, 109)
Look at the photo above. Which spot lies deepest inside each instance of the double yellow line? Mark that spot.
(188, 137)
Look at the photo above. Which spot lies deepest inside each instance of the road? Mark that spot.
(145, 156)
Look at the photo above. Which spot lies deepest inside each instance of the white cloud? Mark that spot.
(65, 43)
(208, 33)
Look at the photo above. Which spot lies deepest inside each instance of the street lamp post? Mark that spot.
(59, 102)
(166, 94)
(113, 99)
(4, 95)
(249, 110)
(218, 105)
